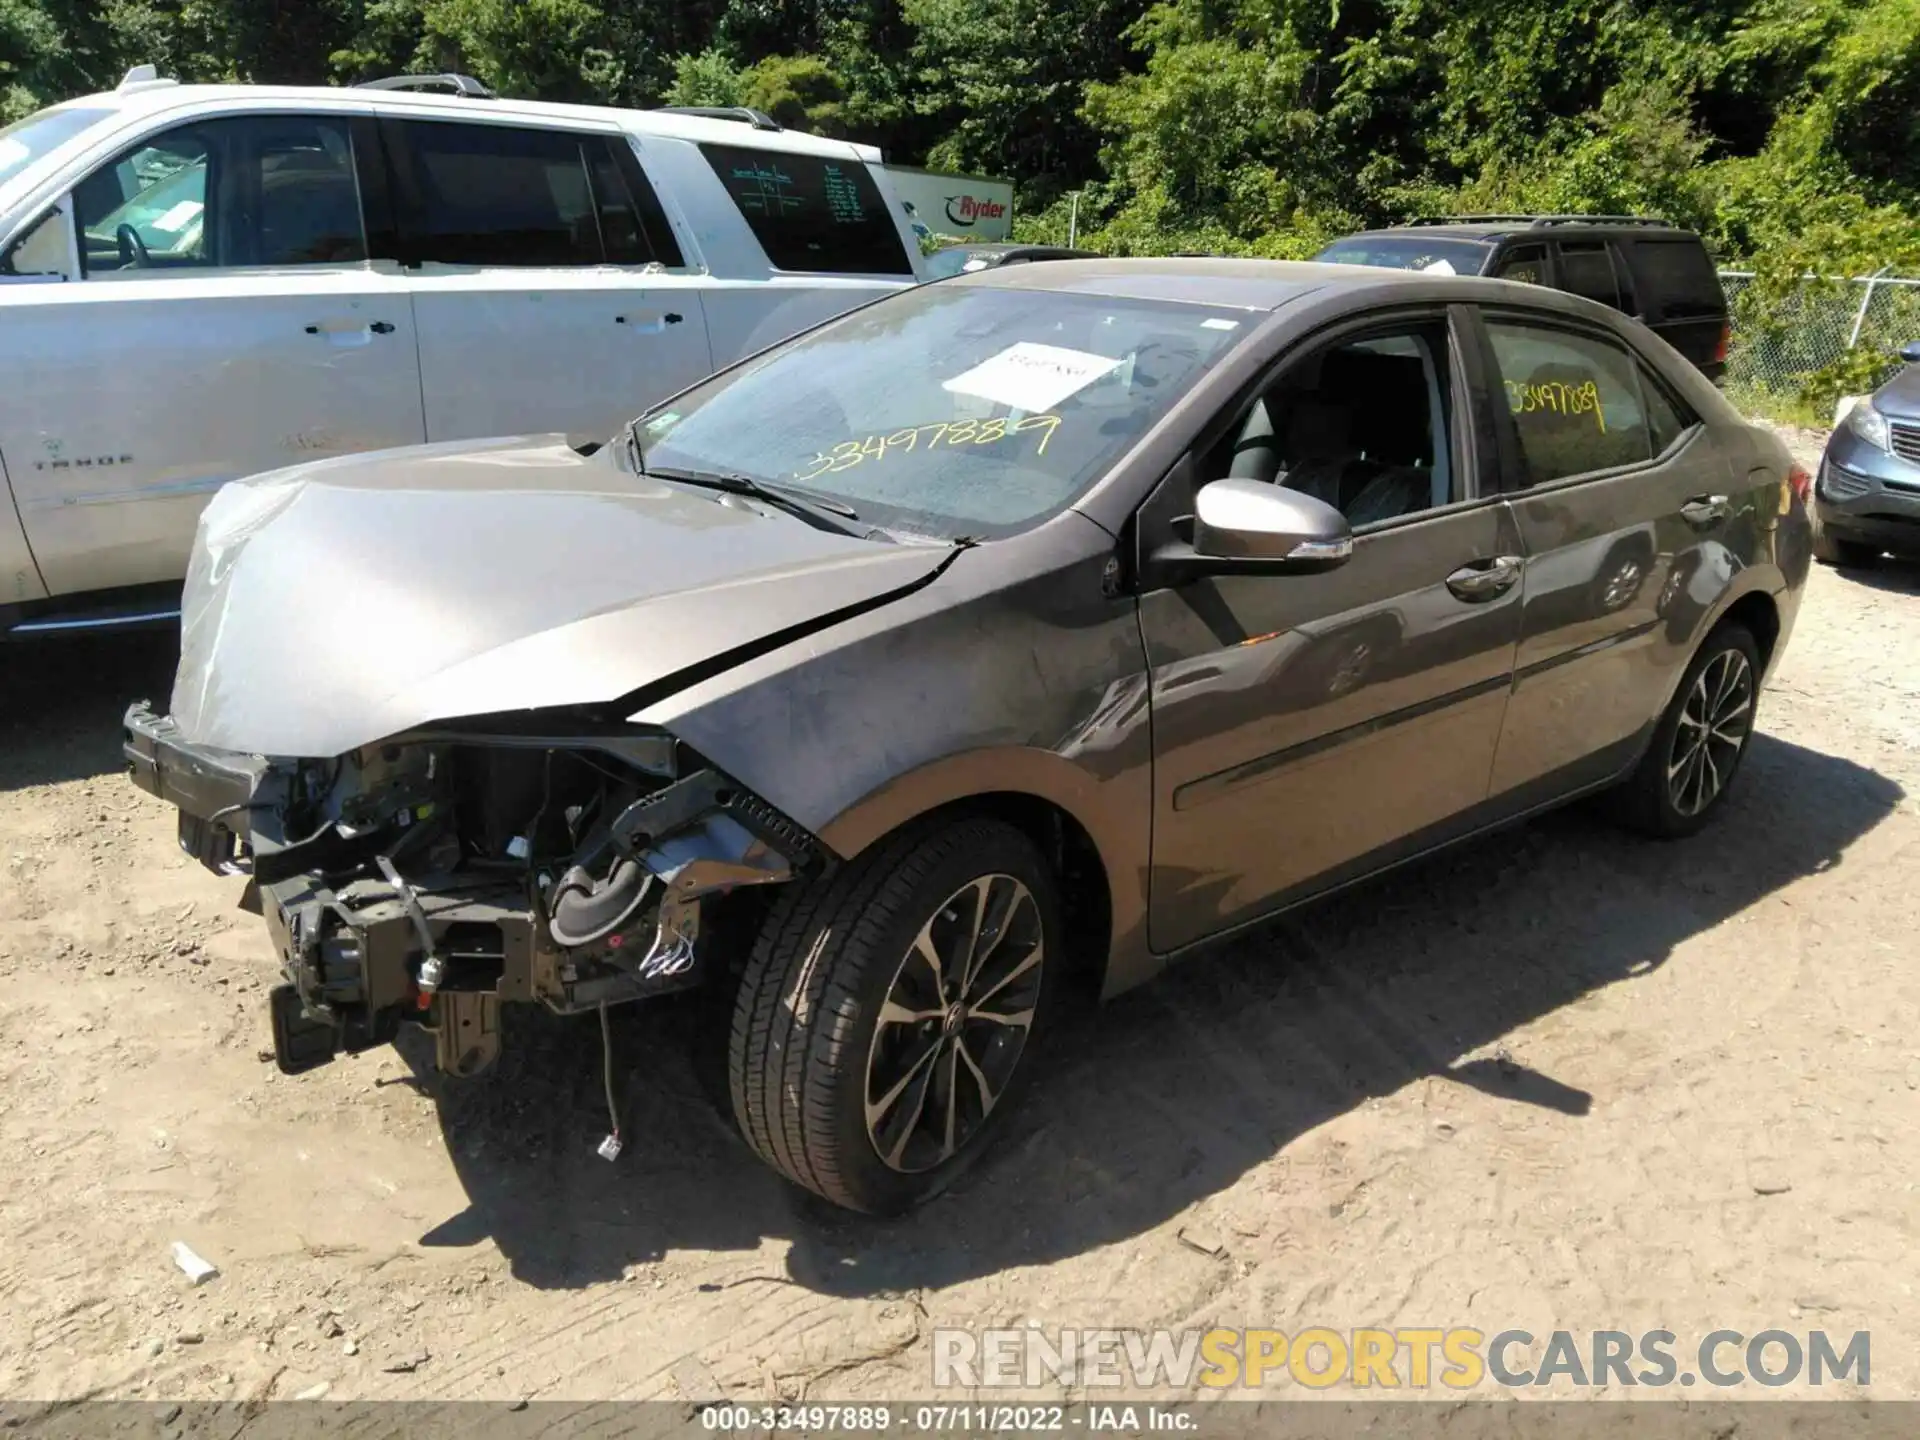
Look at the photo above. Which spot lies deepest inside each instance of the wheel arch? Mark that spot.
(1097, 851)
(1759, 612)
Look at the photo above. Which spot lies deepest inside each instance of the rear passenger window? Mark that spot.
(510, 195)
(1586, 269)
(1575, 400)
(1525, 263)
(811, 213)
(1675, 279)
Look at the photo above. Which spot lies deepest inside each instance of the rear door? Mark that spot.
(1631, 529)
(225, 320)
(549, 290)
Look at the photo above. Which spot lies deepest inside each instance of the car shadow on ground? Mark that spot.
(1169, 1094)
(1895, 575)
(61, 701)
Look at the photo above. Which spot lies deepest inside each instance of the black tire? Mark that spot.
(1658, 798)
(1830, 549)
(809, 1048)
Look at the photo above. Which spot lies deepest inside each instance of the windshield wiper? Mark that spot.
(815, 510)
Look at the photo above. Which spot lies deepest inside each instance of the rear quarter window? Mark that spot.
(1675, 279)
(811, 213)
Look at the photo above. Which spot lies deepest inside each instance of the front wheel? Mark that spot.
(888, 1016)
(1698, 745)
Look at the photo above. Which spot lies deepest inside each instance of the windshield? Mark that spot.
(40, 134)
(949, 411)
(1440, 254)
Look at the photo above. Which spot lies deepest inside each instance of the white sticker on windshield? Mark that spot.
(1439, 267)
(1216, 323)
(1031, 377)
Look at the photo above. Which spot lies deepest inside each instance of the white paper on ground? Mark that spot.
(1032, 377)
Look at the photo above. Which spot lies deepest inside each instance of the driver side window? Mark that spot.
(256, 190)
(1363, 424)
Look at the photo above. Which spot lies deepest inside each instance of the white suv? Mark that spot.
(203, 282)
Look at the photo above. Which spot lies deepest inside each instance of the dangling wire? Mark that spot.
(609, 1147)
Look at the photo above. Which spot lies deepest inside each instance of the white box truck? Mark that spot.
(966, 207)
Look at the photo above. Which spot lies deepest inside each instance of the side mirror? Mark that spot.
(1250, 527)
(1910, 352)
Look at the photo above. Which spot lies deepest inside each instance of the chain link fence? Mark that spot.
(1827, 337)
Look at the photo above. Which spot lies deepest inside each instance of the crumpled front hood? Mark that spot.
(331, 605)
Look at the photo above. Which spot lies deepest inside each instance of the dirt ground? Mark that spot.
(1561, 1078)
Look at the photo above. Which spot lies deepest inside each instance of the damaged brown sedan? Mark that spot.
(1007, 638)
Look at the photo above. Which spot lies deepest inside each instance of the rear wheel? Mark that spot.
(1697, 747)
(888, 1016)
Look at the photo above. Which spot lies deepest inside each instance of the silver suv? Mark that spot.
(199, 283)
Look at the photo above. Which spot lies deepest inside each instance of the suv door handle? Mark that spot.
(1703, 510)
(1485, 579)
(378, 327)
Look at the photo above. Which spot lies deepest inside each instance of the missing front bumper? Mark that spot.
(401, 902)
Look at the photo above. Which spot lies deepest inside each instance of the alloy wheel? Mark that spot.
(954, 1023)
(1714, 724)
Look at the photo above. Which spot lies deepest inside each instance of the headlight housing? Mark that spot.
(1870, 425)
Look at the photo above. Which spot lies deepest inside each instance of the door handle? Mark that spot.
(378, 327)
(1485, 579)
(650, 323)
(1704, 510)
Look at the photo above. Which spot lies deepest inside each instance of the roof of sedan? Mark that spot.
(1242, 284)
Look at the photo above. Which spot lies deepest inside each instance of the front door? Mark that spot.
(225, 322)
(543, 277)
(1307, 726)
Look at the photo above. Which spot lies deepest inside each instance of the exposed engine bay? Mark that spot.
(432, 878)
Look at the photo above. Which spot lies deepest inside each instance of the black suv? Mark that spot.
(1655, 272)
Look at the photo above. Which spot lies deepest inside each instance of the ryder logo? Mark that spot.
(965, 210)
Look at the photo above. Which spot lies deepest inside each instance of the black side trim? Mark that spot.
(1208, 787)
(1581, 652)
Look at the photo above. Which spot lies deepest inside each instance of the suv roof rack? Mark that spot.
(1541, 221)
(465, 86)
(745, 114)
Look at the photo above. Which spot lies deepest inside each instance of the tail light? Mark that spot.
(1725, 342)
(1800, 481)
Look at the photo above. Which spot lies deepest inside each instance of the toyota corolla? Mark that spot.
(1001, 641)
